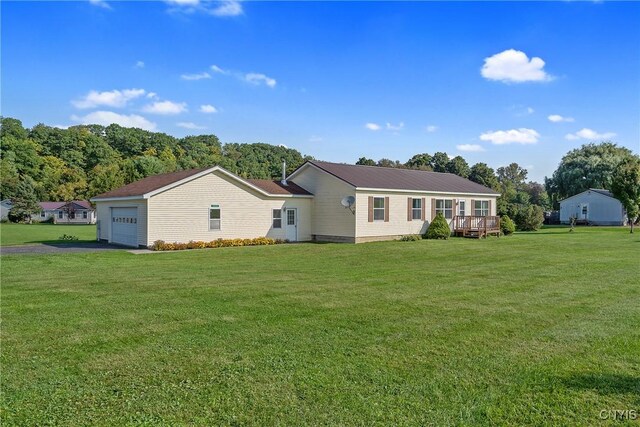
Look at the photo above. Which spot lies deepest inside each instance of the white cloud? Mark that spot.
(589, 134)
(472, 148)
(530, 110)
(106, 118)
(152, 95)
(220, 8)
(397, 127)
(315, 138)
(114, 98)
(227, 8)
(189, 125)
(165, 107)
(100, 3)
(258, 78)
(513, 136)
(373, 126)
(431, 128)
(208, 108)
(513, 66)
(198, 76)
(217, 69)
(556, 118)
(139, 64)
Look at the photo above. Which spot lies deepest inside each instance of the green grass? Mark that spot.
(534, 329)
(27, 234)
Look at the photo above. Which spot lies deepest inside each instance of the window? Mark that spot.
(60, 214)
(445, 207)
(378, 208)
(416, 209)
(481, 208)
(277, 218)
(462, 207)
(43, 214)
(214, 217)
(84, 214)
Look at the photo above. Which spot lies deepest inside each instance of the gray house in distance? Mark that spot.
(593, 206)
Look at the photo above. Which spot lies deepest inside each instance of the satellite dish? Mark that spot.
(348, 201)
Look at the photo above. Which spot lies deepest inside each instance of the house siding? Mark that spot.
(602, 210)
(398, 223)
(330, 220)
(103, 210)
(181, 214)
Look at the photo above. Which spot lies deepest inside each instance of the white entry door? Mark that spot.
(124, 226)
(291, 227)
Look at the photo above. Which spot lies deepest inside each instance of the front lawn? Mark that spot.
(27, 234)
(534, 329)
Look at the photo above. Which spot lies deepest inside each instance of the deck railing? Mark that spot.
(476, 226)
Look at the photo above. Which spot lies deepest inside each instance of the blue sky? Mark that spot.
(493, 82)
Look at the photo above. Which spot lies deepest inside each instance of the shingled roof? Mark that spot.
(401, 179)
(277, 187)
(157, 182)
(149, 184)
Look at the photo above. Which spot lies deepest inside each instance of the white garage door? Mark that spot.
(124, 226)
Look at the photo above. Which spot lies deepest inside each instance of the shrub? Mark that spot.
(530, 218)
(438, 229)
(161, 245)
(411, 238)
(67, 237)
(507, 225)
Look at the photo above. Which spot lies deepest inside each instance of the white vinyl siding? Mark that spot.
(181, 214)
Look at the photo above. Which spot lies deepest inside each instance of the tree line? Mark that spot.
(49, 163)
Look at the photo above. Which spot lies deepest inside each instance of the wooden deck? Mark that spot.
(476, 226)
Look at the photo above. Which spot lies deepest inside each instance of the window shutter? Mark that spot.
(489, 214)
(386, 209)
(409, 209)
(370, 208)
(433, 209)
(424, 209)
(473, 207)
(454, 208)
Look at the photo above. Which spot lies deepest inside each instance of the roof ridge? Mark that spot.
(384, 167)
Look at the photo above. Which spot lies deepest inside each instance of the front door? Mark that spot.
(291, 227)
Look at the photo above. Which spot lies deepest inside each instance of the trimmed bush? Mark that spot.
(507, 225)
(530, 218)
(161, 245)
(411, 238)
(438, 229)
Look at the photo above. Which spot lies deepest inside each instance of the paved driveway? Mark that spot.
(59, 248)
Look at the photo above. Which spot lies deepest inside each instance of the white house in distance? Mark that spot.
(319, 201)
(593, 206)
(74, 212)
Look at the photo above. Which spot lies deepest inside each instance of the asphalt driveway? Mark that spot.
(59, 248)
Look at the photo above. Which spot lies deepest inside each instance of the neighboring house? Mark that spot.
(5, 207)
(593, 206)
(319, 201)
(74, 212)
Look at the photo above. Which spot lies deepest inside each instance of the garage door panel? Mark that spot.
(124, 226)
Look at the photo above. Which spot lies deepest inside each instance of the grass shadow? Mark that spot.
(605, 384)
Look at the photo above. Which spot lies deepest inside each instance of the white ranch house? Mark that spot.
(319, 201)
(594, 206)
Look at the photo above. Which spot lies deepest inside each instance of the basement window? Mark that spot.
(214, 217)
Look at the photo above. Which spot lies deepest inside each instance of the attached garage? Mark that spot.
(124, 226)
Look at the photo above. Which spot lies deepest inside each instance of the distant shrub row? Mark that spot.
(161, 245)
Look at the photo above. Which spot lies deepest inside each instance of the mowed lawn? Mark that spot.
(28, 234)
(534, 329)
